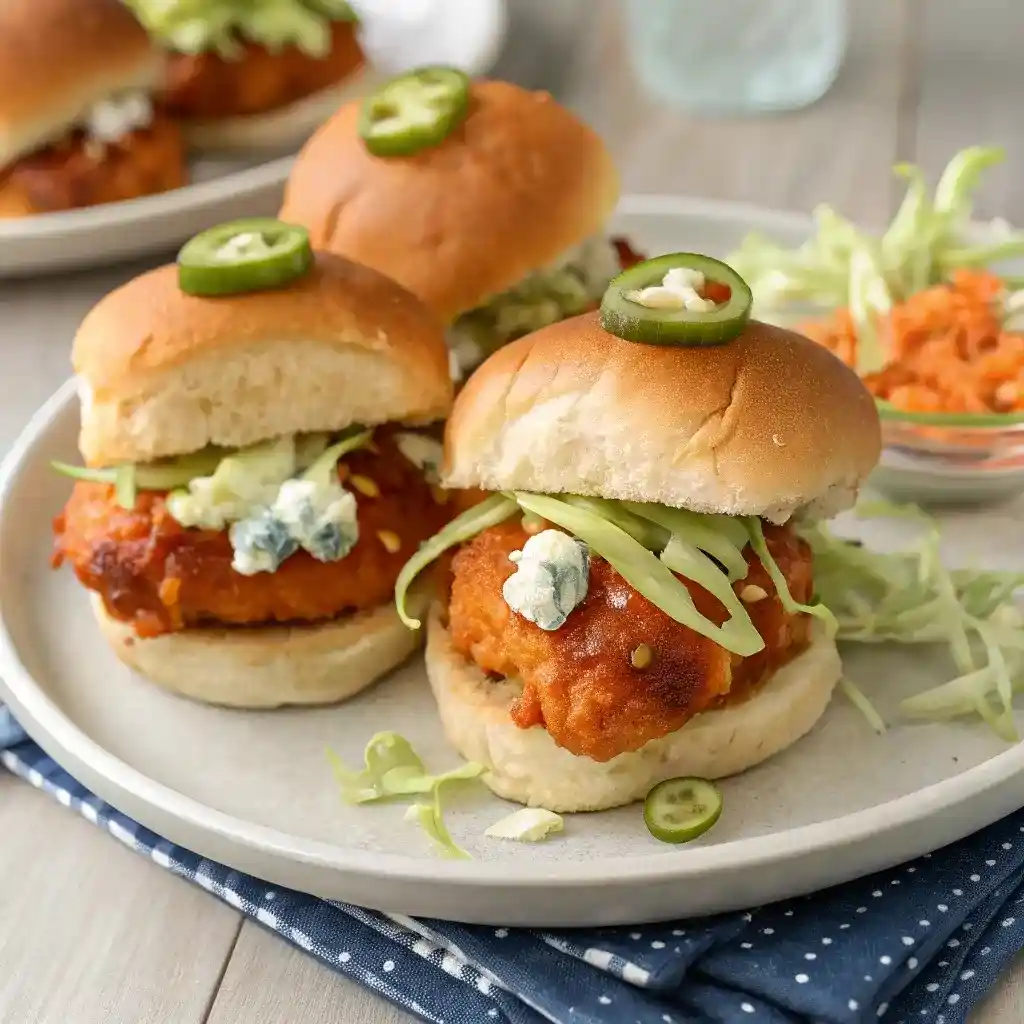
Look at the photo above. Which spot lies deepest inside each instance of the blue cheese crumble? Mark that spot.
(551, 577)
(321, 519)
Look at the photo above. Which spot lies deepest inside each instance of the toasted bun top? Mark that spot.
(165, 373)
(768, 424)
(58, 58)
(518, 183)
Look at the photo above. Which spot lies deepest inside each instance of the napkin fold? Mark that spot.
(919, 944)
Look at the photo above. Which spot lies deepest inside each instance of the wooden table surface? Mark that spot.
(93, 934)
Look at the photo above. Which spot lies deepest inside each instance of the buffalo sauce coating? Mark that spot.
(582, 682)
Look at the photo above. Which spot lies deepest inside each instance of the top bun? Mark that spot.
(766, 425)
(164, 373)
(58, 58)
(518, 183)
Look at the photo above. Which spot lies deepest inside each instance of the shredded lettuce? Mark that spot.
(856, 696)
(910, 597)
(843, 266)
(196, 26)
(490, 512)
(643, 571)
(760, 546)
(527, 825)
(431, 820)
(394, 769)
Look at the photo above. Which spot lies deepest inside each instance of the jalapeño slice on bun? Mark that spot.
(634, 602)
(260, 460)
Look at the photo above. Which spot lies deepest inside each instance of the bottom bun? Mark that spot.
(282, 129)
(267, 667)
(526, 765)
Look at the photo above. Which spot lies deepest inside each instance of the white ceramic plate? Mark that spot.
(467, 33)
(253, 790)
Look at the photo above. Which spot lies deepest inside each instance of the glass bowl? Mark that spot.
(950, 458)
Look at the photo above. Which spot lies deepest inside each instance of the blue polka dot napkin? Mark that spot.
(919, 944)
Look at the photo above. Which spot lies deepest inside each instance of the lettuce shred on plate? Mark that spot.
(841, 266)
(393, 769)
(196, 26)
(909, 597)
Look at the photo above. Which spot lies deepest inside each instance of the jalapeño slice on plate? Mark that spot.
(683, 298)
(678, 810)
(414, 111)
(244, 256)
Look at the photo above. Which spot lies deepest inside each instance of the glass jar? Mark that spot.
(737, 56)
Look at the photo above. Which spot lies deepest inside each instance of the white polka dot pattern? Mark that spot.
(922, 942)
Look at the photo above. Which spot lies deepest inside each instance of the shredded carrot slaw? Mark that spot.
(947, 348)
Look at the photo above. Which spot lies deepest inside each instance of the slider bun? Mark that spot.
(266, 667)
(525, 765)
(518, 183)
(164, 373)
(281, 130)
(58, 58)
(767, 425)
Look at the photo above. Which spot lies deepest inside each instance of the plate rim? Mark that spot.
(43, 718)
(133, 212)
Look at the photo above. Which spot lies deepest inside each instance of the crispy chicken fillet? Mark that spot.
(162, 577)
(79, 172)
(578, 681)
(205, 86)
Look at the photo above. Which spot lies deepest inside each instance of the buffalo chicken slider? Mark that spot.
(244, 74)
(635, 602)
(78, 124)
(488, 201)
(258, 467)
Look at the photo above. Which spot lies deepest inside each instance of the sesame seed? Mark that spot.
(364, 485)
(533, 524)
(641, 657)
(752, 593)
(391, 541)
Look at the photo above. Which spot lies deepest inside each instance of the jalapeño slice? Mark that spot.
(710, 305)
(244, 256)
(678, 810)
(414, 111)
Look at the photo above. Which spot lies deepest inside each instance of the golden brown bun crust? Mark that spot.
(57, 57)
(274, 667)
(517, 184)
(165, 373)
(765, 425)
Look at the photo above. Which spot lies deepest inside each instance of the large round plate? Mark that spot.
(253, 790)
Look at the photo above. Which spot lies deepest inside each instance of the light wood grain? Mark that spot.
(971, 84)
(267, 981)
(840, 150)
(90, 932)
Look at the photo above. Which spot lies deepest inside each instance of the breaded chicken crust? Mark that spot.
(579, 682)
(162, 577)
(206, 86)
(79, 172)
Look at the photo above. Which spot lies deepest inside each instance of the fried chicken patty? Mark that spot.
(79, 171)
(206, 86)
(579, 682)
(160, 576)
